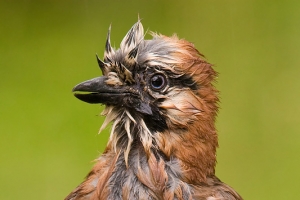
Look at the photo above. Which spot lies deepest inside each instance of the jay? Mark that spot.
(160, 98)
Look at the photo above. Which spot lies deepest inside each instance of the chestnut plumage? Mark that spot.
(159, 96)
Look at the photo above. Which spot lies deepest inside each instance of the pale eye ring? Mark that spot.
(158, 82)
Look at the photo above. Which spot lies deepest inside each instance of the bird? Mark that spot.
(161, 103)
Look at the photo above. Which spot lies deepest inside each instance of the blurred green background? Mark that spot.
(48, 138)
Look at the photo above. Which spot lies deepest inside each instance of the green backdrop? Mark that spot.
(48, 139)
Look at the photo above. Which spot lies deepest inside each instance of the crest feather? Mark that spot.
(103, 67)
(133, 37)
(109, 51)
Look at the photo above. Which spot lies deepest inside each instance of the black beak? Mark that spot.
(97, 91)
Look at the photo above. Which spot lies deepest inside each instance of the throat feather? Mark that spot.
(126, 129)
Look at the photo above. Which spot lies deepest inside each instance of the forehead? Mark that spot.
(158, 51)
(161, 51)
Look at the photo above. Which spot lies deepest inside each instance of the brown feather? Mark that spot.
(174, 155)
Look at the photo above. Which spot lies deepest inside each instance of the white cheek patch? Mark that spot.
(182, 106)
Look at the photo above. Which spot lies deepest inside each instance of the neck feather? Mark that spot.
(194, 147)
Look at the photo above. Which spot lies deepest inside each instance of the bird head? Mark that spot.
(159, 93)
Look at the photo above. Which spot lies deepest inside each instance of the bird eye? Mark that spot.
(158, 82)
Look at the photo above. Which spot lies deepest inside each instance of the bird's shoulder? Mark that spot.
(215, 189)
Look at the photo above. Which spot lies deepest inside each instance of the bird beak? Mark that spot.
(97, 91)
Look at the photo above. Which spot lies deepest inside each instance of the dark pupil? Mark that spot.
(157, 81)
